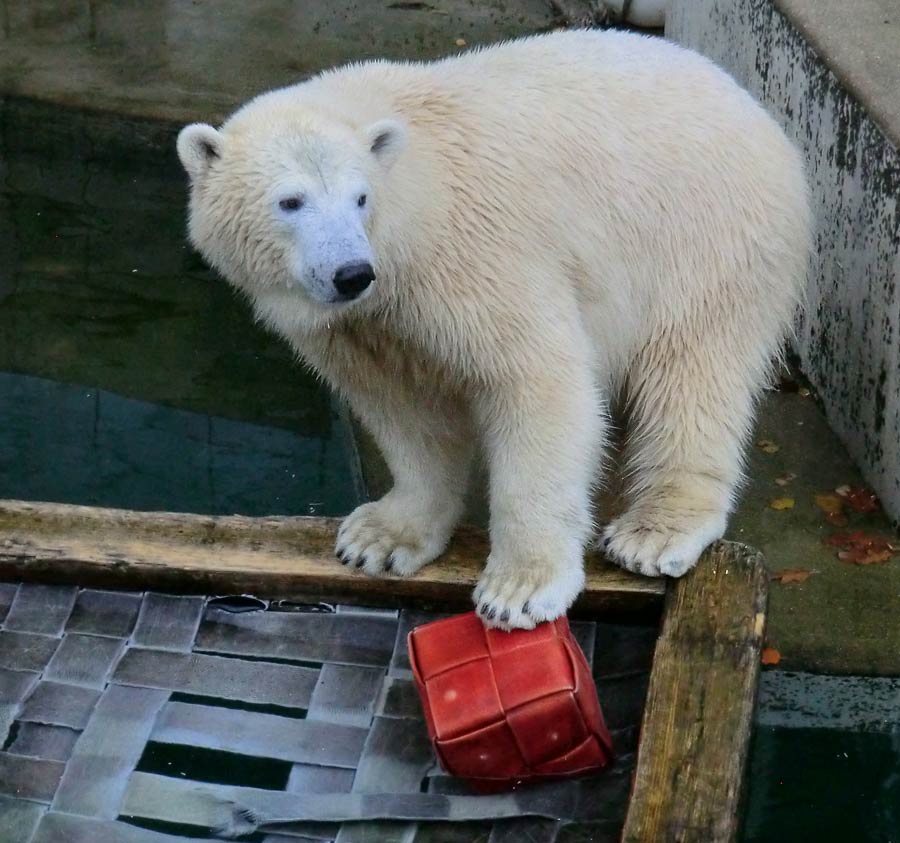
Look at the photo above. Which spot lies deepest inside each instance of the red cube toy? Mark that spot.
(508, 707)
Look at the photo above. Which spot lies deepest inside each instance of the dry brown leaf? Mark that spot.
(767, 446)
(792, 575)
(770, 655)
(859, 548)
(784, 480)
(858, 538)
(846, 539)
(862, 500)
(781, 503)
(863, 556)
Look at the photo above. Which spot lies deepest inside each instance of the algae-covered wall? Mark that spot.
(848, 337)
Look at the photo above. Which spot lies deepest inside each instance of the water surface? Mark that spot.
(129, 374)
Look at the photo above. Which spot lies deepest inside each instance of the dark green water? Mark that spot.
(823, 785)
(129, 375)
(825, 760)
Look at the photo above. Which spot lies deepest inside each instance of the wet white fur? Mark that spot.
(561, 219)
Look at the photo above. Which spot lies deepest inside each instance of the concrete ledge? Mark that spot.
(860, 42)
(849, 336)
(198, 60)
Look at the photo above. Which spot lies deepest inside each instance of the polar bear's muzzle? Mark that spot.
(353, 279)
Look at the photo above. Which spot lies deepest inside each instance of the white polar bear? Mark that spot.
(476, 252)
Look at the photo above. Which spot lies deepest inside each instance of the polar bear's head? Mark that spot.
(283, 198)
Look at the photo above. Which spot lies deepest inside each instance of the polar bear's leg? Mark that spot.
(691, 407)
(543, 442)
(428, 447)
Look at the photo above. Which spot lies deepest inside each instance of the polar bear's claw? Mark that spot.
(520, 596)
(661, 544)
(387, 537)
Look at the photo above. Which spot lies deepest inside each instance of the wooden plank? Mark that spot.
(274, 556)
(696, 725)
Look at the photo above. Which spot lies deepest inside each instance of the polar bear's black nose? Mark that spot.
(352, 279)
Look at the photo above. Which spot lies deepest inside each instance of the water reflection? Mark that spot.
(129, 375)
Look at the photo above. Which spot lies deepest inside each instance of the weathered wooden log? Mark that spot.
(286, 557)
(696, 726)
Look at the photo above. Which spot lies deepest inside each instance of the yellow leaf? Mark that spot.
(792, 575)
(829, 502)
(782, 503)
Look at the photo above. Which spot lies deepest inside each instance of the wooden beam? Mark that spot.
(696, 726)
(286, 557)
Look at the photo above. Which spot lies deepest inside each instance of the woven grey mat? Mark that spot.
(148, 718)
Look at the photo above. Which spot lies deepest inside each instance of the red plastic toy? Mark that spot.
(508, 707)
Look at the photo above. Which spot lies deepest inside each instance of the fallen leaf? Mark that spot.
(460, 42)
(846, 539)
(767, 446)
(829, 502)
(862, 500)
(859, 548)
(781, 503)
(770, 655)
(838, 519)
(792, 575)
(803, 392)
(784, 480)
(863, 556)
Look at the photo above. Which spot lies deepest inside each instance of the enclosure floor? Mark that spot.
(843, 618)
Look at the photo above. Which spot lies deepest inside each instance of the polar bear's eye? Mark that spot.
(361, 201)
(292, 203)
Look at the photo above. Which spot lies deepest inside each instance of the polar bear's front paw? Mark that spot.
(660, 543)
(388, 537)
(520, 593)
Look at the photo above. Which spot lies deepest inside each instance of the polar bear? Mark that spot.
(479, 253)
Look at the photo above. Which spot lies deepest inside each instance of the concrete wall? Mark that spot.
(849, 335)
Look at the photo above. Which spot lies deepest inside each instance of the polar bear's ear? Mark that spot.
(386, 139)
(199, 145)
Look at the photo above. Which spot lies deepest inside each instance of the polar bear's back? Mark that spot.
(640, 165)
(617, 81)
(605, 117)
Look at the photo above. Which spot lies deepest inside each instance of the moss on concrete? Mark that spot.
(842, 619)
